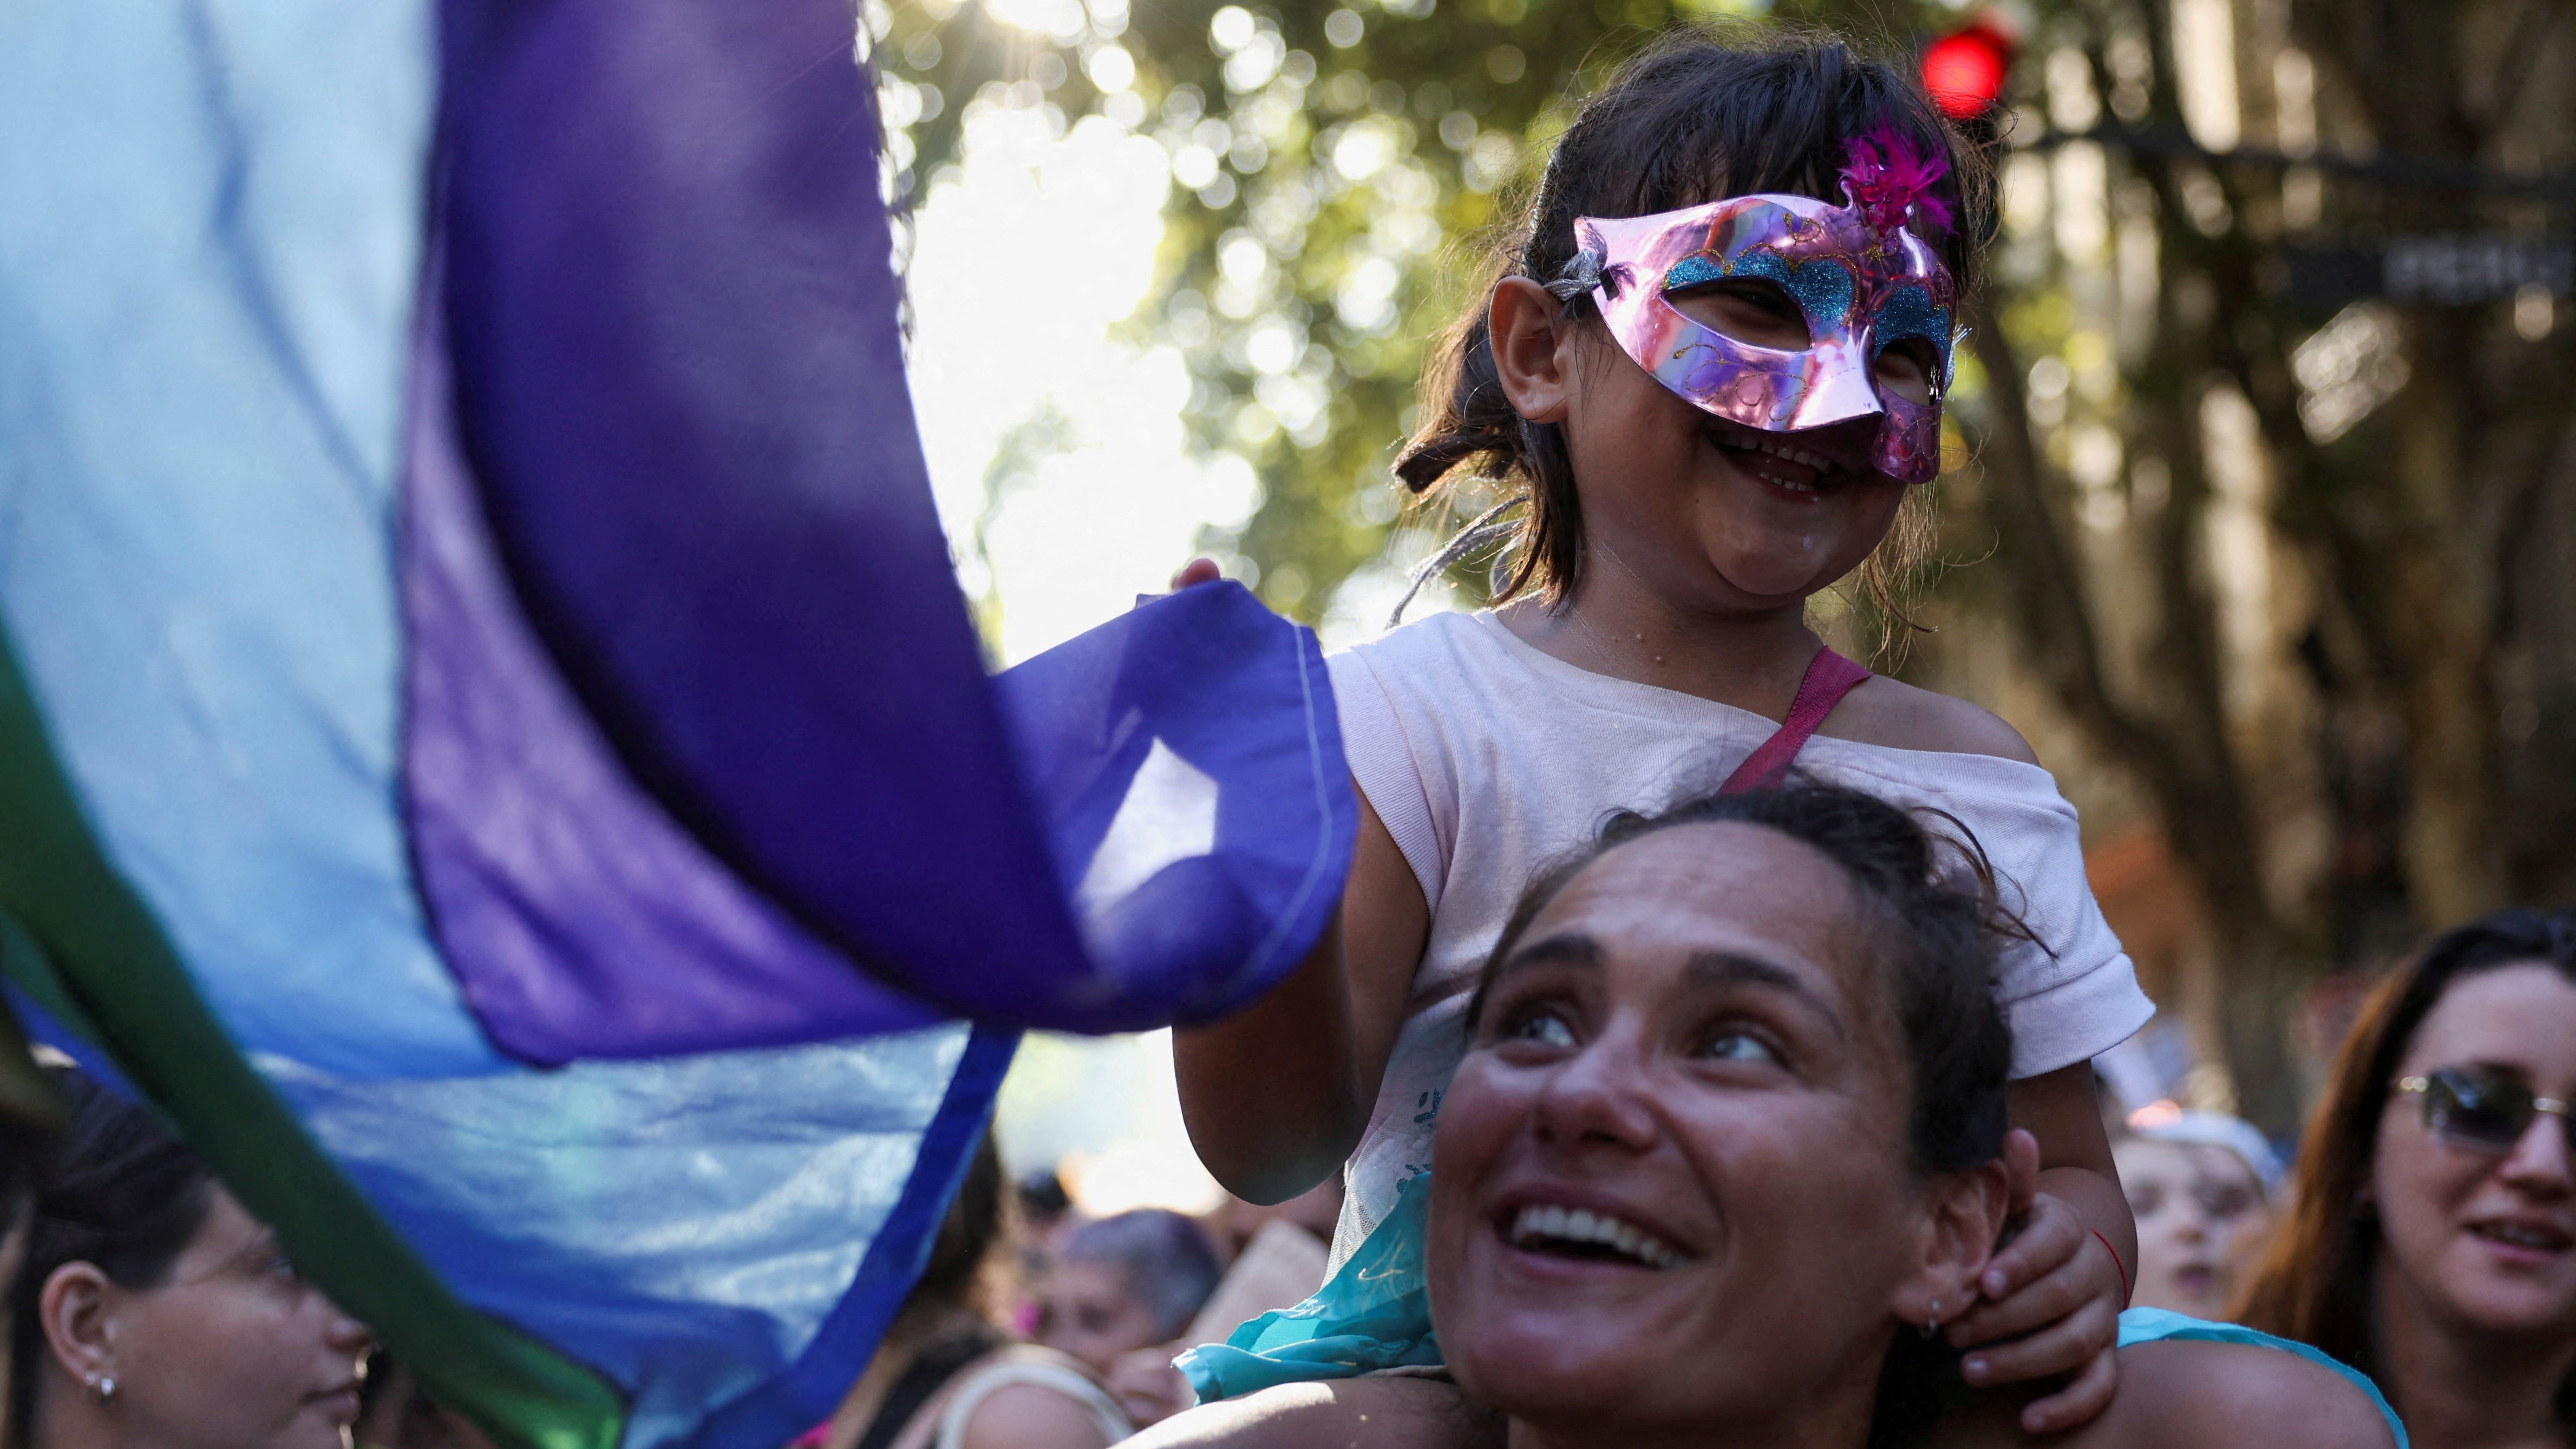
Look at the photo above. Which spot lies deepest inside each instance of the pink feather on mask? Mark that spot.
(1890, 179)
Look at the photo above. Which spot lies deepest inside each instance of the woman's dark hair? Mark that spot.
(1700, 115)
(117, 1190)
(957, 1273)
(1940, 974)
(2313, 1283)
(1167, 1260)
(30, 1116)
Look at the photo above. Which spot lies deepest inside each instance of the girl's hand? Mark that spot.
(2052, 1300)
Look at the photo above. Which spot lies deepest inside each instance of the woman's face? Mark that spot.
(2480, 1239)
(1671, 1184)
(1712, 512)
(1091, 1313)
(2200, 1213)
(234, 1350)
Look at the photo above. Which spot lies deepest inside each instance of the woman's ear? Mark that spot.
(1524, 325)
(1967, 1212)
(76, 1308)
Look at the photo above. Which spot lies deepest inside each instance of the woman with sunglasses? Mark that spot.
(2431, 1237)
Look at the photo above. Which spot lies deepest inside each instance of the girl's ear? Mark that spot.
(1531, 358)
(1966, 1214)
(76, 1307)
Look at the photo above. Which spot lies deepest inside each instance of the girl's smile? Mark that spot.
(1786, 460)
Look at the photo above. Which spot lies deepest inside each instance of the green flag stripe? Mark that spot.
(102, 964)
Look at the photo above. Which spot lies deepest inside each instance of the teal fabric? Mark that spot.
(2156, 1325)
(1373, 1314)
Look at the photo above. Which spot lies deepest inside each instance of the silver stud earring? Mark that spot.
(1932, 1325)
(103, 1388)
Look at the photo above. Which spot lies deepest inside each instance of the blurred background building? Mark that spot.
(2262, 518)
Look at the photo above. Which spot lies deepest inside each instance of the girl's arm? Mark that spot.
(1277, 1095)
(2057, 1289)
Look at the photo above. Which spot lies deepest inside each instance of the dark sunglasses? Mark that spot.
(2483, 1110)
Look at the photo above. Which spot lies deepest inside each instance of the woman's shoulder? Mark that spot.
(1896, 715)
(2194, 1393)
(2197, 1393)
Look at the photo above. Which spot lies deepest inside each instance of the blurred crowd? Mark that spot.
(148, 1308)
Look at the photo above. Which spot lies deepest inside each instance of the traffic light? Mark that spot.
(1964, 70)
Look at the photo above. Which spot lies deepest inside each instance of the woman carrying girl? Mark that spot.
(1634, 1239)
(1710, 374)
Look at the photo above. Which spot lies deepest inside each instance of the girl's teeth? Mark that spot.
(1770, 445)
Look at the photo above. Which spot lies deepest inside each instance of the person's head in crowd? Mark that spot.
(1127, 1282)
(1731, 1129)
(2431, 1227)
(152, 1311)
(1043, 1201)
(2199, 1185)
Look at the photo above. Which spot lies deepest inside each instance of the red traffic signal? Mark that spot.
(1964, 70)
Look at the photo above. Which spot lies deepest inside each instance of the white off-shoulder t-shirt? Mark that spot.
(1487, 758)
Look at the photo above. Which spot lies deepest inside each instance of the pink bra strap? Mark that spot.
(1829, 677)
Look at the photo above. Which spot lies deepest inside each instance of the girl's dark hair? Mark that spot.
(117, 1190)
(1940, 974)
(2313, 1283)
(1167, 1260)
(1700, 115)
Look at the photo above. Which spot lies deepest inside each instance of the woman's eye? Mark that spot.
(1737, 1046)
(1543, 1026)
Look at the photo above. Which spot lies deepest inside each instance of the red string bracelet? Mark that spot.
(2117, 1267)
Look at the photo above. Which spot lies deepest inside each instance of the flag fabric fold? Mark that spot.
(489, 742)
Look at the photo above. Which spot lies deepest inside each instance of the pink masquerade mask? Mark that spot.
(1862, 280)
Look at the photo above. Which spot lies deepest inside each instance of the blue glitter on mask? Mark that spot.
(1762, 264)
(1823, 288)
(1691, 272)
(1908, 312)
